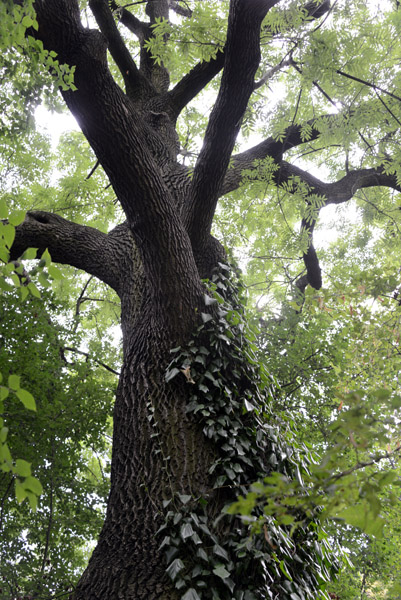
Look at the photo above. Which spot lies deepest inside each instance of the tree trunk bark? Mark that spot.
(158, 452)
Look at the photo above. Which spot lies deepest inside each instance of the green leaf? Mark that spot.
(27, 21)
(46, 257)
(55, 272)
(284, 570)
(174, 568)
(4, 391)
(32, 484)
(3, 434)
(3, 209)
(29, 254)
(20, 491)
(27, 399)
(32, 499)
(8, 232)
(22, 468)
(16, 217)
(221, 572)
(33, 289)
(14, 382)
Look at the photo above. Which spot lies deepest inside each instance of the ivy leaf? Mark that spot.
(221, 572)
(190, 594)
(186, 531)
(171, 374)
(209, 301)
(220, 552)
(174, 568)
(185, 498)
(284, 570)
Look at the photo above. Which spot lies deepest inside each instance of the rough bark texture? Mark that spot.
(156, 259)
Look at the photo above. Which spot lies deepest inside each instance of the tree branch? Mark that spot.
(130, 21)
(242, 56)
(157, 73)
(342, 190)
(337, 192)
(194, 82)
(184, 11)
(293, 136)
(68, 243)
(122, 143)
(270, 72)
(137, 86)
(95, 360)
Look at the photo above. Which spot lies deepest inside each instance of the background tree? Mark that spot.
(193, 432)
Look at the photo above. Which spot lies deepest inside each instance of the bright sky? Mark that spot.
(54, 124)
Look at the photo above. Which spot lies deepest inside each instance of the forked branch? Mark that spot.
(137, 86)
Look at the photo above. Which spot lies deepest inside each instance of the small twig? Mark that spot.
(368, 84)
(97, 163)
(388, 109)
(81, 296)
(361, 465)
(99, 362)
(269, 74)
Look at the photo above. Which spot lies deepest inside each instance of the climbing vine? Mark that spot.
(256, 556)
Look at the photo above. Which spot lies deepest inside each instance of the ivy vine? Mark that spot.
(254, 556)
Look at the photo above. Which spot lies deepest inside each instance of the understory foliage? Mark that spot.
(63, 442)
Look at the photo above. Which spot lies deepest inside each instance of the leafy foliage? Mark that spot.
(64, 443)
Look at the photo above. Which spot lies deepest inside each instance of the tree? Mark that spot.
(190, 399)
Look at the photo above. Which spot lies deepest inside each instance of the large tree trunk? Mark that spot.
(158, 451)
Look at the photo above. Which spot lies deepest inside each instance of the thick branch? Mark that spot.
(242, 58)
(156, 73)
(132, 23)
(344, 189)
(120, 140)
(136, 84)
(184, 11)
(333, 193)
(269, 147)
(194, 81)
(68, 243)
